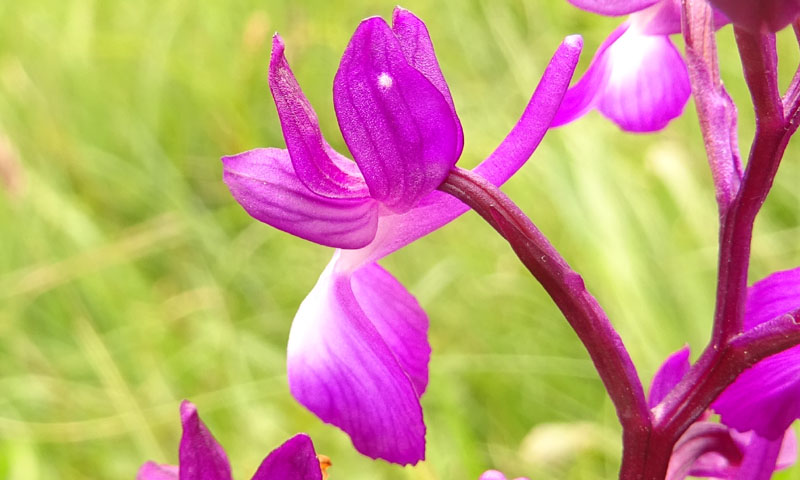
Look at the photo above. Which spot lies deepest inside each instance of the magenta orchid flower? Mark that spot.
(637, 78)
(495, 475)
(709, 449)
(761, 15)
(766, 398)
(200, 457)
(358, 351)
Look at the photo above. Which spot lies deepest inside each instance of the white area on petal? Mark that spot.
(385, 81)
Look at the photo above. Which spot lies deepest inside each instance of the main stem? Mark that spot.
(727, 355)
(579, 307)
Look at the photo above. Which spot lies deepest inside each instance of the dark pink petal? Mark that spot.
(398, 125)
(399, 319)
(200, 456)
(760, 15)
(154, 471)
(418, 49)
(670, 373)
(314, 161)
(437, 209)
(264, 183)
(648, 83)
(612, 7)
(766, 398)
(343, 370)
(294, 460)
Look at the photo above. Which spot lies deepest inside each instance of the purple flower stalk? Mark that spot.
(200, 457)
(358, 350)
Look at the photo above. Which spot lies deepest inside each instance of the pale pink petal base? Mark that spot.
(155, 471)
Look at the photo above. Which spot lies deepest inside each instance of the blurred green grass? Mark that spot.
(130, 279)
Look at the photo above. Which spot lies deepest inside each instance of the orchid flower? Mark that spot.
(766, 398)
(495, 475)
(358, 351)
(709, 449)
(637, 78)
(200, 457)
(760, 16)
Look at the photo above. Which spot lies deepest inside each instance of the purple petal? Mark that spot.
(638, 81)
(398, 125)
(344, 371)
(761, 15)
(760, 457)
(612, 7)
(648, 84)
(314, 161)
(437, 209)
(418, 49)
(200, 456)
(670, 373)
(773, 296)
(294, 460)
(264, 183)
(766, 398)
(154, 471)
(496, 475)
(399, 319)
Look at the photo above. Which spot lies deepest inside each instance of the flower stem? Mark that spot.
(579, 307)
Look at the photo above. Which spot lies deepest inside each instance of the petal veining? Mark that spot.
(418, 49)
(264, 182)
(342, 370)
(398, 126)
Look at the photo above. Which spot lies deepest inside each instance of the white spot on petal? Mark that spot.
(385, 81)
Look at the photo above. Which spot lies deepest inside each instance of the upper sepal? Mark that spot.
(398, 125)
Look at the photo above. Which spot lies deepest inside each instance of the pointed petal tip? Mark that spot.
(188, 408)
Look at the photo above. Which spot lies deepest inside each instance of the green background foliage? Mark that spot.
(130, 279)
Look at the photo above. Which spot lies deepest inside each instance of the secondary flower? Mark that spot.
(200, 457)
(766, 398)
(761, 15)
(358, 351)
(495, 475)
(709, 449)
(637, 78)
